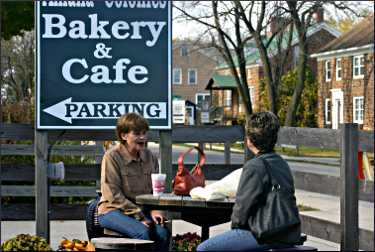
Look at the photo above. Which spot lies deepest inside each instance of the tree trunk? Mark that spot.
(267, 74)
(290, 119)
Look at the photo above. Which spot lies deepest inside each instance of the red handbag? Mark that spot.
(185, 180)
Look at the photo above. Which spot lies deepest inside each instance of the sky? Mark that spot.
(185, 29)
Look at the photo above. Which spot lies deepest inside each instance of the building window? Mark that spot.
(192, 76)
(358, 109)
(358, 67)
(295, 55)
(338, 69)
(202, 100)
(227, 98)
(177, 76)
(184, 50)
(328, 70)
(251, 92)
(248, 73)
(328, 111)
(240, 103)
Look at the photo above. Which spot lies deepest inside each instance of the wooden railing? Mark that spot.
(348, 140)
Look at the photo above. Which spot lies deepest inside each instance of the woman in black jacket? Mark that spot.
(253, 188)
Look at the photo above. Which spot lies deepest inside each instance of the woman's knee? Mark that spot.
(204, 246)
(143, 234)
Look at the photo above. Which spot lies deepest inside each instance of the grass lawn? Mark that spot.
(302, 207)
(303, 150)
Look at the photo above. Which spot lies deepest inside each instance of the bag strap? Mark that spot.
(202, 160)
(274, 182)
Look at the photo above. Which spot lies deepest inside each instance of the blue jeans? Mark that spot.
(233, 240)
(117, 221)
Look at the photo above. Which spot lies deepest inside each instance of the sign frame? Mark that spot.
(39, 125)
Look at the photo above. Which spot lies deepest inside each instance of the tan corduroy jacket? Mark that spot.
(123, 178)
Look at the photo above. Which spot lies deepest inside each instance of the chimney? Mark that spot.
(273, 25)
(277, 23)
(319, 15)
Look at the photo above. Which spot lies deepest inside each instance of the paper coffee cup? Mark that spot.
(158, 183)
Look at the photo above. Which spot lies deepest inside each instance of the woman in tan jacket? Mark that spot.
(126, 173)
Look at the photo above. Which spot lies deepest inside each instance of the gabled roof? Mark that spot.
(360, 35)
(221, 82)
(253, 56)
(197, 46)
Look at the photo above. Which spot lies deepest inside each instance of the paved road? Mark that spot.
(313, 165)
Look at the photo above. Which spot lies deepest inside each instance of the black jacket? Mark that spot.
(253, 187)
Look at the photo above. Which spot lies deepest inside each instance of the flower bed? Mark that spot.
(186, 242)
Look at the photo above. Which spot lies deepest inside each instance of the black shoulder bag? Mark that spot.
(278, 213)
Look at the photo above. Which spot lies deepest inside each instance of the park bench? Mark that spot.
(107, 239)
(121, 244)
(297, 247)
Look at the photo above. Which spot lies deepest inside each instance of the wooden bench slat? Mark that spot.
(55, 191)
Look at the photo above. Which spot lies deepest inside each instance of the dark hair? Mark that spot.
(262, 130)
(130, 122)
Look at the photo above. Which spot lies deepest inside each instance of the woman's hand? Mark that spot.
(158, 217)
(147, 223)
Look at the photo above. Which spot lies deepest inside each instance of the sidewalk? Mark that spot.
(77, 230)
(328, 209)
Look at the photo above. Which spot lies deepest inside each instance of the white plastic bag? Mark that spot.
(221, 189)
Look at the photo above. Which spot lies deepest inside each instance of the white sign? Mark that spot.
(205, 117)
(179, 111)
(67, 110)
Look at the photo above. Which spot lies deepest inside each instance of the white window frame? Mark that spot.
(328, 70)
(338, 69)
(248, 73)
(328, 107)
(359, 66)
(227, 98)
(200, 94)
(240, 103)
(180, 77)
(196, 76)
(360, 110)
(251, 93)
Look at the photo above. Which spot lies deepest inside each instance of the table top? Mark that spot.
(197, 211)
(172, 200)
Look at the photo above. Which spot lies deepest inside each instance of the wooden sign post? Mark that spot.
(70, 96)
(165, 150)
(349, 188)
(41, 184)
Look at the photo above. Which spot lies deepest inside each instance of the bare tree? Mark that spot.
(17, 68)
(229, 24)
(301, 12)
(273, 62)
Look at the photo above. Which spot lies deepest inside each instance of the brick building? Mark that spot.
(346, 78)
(225, 98)
(193, 66)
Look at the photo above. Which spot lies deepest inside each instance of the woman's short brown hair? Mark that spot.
(130, 122)
(262, 130)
